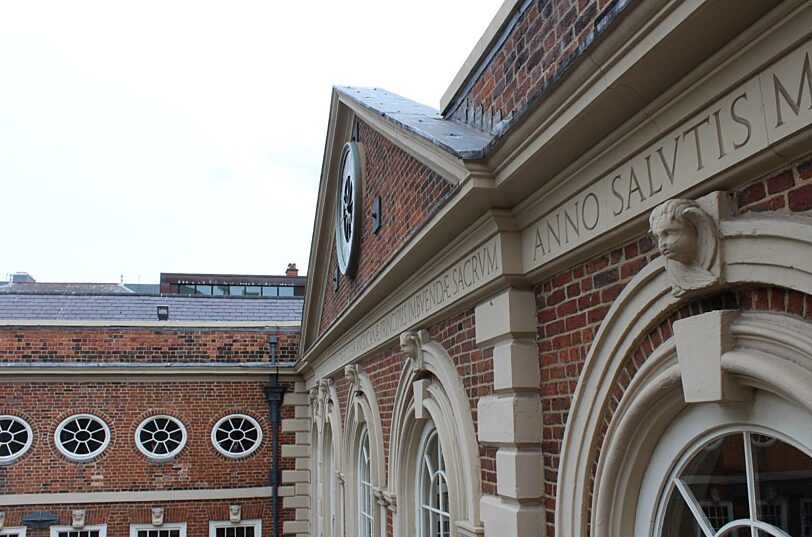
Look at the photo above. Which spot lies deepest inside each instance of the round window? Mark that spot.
(740, 483)
(82, 437)
(15, 438)
(236, 435)
(160, 437)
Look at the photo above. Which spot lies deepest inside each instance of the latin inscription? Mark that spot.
(473, 270)
(764, 109)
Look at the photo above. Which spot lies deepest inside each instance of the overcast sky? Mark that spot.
(140, 137)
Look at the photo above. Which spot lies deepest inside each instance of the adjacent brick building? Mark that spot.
(117, 421)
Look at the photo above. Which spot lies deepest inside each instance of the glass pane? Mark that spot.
(270, 290)
(184, 289)
(783, 480)
(253, 290)
(238, 290)
(286, 291)
(203, 289)
(717, 478)
(679, 521)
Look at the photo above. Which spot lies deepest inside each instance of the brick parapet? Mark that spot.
(547, 39)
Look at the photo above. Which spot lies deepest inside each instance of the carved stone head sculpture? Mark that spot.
(411, 346)
(235, 513)
(157, 516)
(688, 240)
(77, 519)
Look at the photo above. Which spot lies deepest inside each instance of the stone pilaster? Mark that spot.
(296, 493)
(511, 419)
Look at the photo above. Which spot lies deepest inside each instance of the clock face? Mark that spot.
(348, 209)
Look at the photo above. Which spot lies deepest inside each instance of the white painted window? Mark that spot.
(82, 437)
(366, 500)
(737, 485)
(13, 532)
(165, 530)
(432, 488)
(87, 531)
(160, 437)
(236, 435)
(15, 438)
(246, 528)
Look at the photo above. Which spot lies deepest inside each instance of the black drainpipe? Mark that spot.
(274, 394)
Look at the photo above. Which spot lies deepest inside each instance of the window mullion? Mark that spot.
(752, 493)
(695, 508)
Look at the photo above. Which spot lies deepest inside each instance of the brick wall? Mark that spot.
(63, 345)
(410, 193)
(572, 304)
(549, 36)
(123, 405)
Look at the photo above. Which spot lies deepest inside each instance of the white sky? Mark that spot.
(149, 136)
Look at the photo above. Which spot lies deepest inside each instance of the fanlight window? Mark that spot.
(366, 518)
(742, 484)
(432, 490)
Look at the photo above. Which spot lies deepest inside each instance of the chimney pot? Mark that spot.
(292, 270)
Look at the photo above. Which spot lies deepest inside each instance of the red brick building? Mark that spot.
(116, 423)
(576, 300)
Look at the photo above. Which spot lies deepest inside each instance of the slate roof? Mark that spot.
(65, 288)
(461, 140)
(134, 307)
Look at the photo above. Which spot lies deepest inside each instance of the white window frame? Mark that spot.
(366, 520)
(167, 456)
(7, 459)
(244, 454)
(135, 528)
(16, 530)
(89, 456)
(214, 525)
(101, 528)
(429, 433)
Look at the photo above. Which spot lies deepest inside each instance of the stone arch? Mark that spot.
(431, 388)
(758, 249)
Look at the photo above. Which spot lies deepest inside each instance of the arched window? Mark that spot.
(432, 488)
(366, 501)
(738, 483)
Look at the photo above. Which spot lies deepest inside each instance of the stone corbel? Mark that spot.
(324, 398)
(157, 516)
(687, 234)
(386, 499)
(77, 519)
(235, 513)
(340, 478)
(411, 344)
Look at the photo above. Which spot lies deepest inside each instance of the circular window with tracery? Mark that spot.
(82, 437)
(236, 435)
(15, 438)
(742, 483)
(160, 437)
